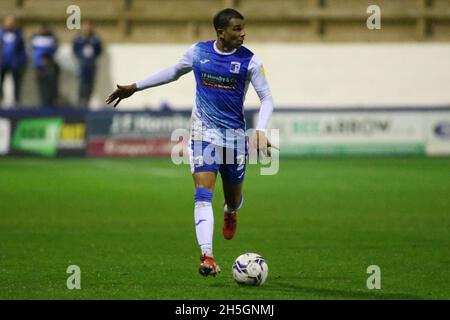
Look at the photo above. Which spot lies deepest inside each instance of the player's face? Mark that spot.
(234, 35)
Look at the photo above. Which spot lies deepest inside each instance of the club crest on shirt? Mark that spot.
(235, 67)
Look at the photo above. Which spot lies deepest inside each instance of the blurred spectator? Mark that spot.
(13, 57)
(87, 47)
(165, 106)
(48, 77)
(45, 45)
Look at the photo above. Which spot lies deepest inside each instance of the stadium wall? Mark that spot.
(300, 75)
(301, 132)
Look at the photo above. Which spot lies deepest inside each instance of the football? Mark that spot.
(250, 269)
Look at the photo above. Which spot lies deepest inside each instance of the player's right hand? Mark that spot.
(122, 92)
(263, 144)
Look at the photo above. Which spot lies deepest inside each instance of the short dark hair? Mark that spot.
(223, 17)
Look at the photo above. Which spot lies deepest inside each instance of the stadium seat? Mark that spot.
(7, 6)
(174, 10)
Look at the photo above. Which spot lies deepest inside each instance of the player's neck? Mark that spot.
(223, 47)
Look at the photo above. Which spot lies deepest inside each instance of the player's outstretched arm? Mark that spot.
(122, 92)
(159, 78)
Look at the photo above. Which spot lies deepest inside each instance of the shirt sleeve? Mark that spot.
(169, 74)
(259, 82)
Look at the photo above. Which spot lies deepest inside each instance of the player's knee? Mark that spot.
(203, 195)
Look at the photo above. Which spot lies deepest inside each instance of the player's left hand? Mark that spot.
(263, 144)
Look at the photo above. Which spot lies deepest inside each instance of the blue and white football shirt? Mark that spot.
(222, 81)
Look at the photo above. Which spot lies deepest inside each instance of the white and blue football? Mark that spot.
(250, 269)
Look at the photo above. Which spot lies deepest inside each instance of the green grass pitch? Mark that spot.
(128, 224)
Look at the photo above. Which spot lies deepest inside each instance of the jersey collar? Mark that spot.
(220, 52)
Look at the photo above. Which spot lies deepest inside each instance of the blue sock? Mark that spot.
(203, 195)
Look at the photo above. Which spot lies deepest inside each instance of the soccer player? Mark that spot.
(223, 68)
